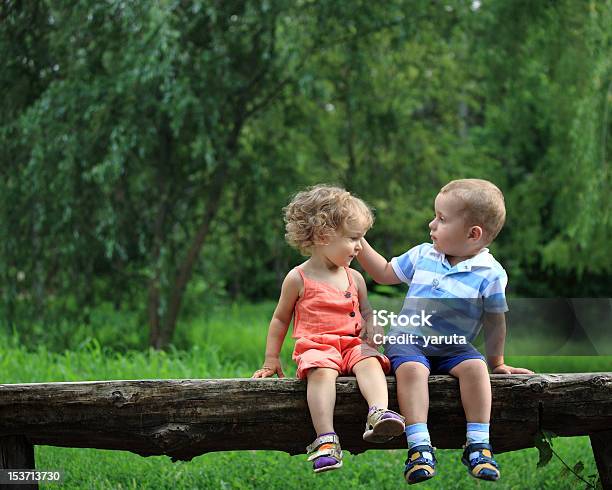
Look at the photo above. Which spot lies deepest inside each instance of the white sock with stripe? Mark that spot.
(477, 432)
(417, 435)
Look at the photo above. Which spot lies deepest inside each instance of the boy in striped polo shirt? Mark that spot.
(457, 286)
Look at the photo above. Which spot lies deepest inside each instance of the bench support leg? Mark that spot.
(602, 450)
(16, 452)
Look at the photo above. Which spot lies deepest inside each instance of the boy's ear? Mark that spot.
(475, 233)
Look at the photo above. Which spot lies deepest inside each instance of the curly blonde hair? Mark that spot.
(316, 213)
(483, 204)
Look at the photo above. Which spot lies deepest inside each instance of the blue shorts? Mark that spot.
(438, 358)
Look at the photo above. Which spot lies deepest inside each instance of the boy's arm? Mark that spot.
(495, 338)
(368, 329)
(279, 326)
(376, 265)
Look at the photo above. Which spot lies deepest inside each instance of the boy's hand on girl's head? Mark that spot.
(505, 369)
(270, 368)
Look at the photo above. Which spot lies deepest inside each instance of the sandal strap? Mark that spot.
(420, 460)
(327, 438)
(478, 446)
(327, 449)
(394, 412)
(375, 415)
(483, 460)
(482, 457)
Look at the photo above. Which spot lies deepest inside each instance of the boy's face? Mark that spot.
(448, 230)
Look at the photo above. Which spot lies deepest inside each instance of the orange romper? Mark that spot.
(327, 324)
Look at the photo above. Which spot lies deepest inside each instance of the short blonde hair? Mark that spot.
(484, 204)
(319, 211)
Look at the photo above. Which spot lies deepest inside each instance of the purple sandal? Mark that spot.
(326, 453)
(383, 425)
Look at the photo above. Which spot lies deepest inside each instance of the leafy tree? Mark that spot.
(144, 145)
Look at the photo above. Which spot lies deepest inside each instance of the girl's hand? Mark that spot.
(372, 333)
(505, 369)
(270, 368)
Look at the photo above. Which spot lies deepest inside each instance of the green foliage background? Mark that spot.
(147, 148)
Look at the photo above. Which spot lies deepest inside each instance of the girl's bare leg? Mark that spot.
(321, 396)
(372, 382)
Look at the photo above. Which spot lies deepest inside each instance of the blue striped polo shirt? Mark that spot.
(455, 296)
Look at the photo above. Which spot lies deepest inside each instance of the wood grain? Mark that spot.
(186, 418)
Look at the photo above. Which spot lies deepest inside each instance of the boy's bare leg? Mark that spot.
(413, 391)
(475, 388)
(372, 382)
(321, 396)
(476, 399)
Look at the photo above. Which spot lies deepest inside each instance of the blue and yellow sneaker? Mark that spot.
(478, 457)
(420, 465)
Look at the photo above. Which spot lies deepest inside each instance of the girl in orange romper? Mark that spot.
(332, 318)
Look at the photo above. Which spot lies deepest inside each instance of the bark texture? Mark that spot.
(186, 418)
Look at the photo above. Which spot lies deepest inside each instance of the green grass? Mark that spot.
(96, 469)
(91, 362)
(230, 343)
(563, 364)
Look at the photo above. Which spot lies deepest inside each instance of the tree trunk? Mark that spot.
(153, 299)
(185, 270)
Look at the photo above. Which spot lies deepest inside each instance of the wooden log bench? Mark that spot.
(187, 418)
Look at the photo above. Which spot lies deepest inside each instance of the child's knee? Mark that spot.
(471, 368)
(368, 363)
(411, 371)
(321, 373)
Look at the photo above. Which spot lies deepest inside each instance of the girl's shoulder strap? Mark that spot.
(301, 272)
(304, 281)
(349, 273)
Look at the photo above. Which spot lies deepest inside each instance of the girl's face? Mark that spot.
(343, 246)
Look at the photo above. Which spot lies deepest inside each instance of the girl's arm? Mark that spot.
(376, 265)
(495, 338)
(278, 326)
(368, 329)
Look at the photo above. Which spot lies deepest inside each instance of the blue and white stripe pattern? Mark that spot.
(458, 295)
